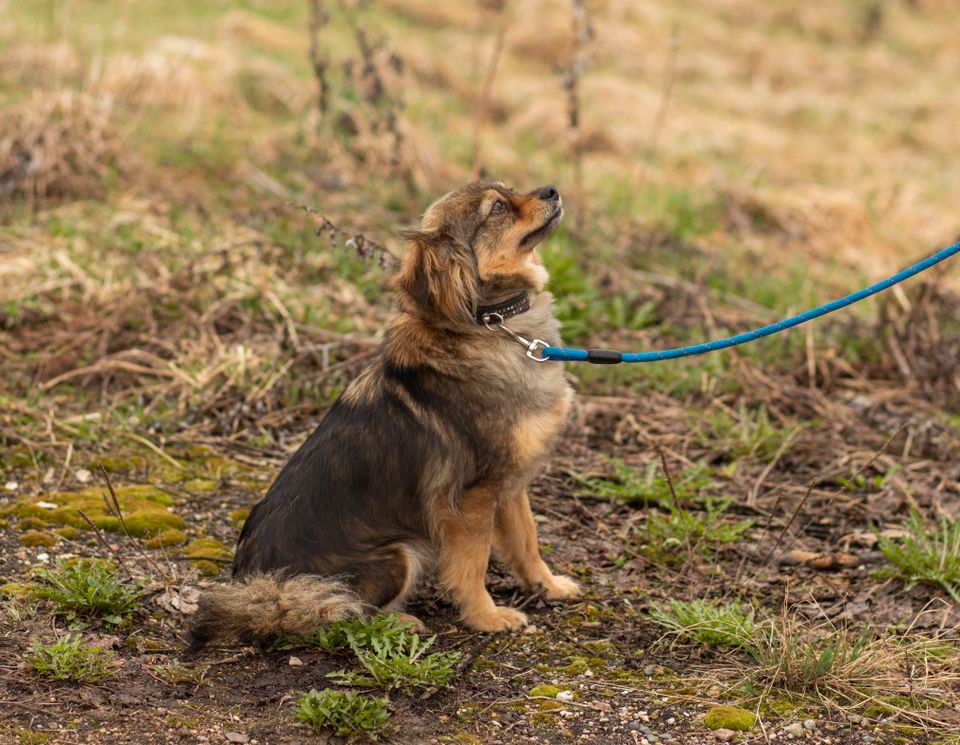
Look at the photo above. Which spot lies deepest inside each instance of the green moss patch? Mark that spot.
(239, 516)
(169, 537)
(729, 717)
(207, 548)
(71, 534)
(150, 522)
(206, 567)
(144, 507)
(38, 538)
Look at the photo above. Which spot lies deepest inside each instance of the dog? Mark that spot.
(423, 462)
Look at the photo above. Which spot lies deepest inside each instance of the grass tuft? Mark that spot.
(706, 622)
(343, 713)
(926, 555)
(631, 485)
(69, 659)
(746, 434)
(87, 589)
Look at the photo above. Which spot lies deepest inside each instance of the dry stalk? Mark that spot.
(366, 248)
(319, 17)
(582, 33)
(666, 93)
(483, 101)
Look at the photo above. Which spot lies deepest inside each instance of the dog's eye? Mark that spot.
(498, 206)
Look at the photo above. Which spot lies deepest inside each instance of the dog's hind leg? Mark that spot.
(515, 543)
(385, 581)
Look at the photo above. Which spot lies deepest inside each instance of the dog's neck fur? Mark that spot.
(410, 336)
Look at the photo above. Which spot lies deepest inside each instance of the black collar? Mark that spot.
(507, 309)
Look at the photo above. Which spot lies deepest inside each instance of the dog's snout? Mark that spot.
(548, 193)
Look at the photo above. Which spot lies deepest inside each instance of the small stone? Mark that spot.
(643, 716)
(633, 726)
(565, 696)
(236, 737)
(672, 720)
(295, 662)
(648, 671)
(83, 476)
(809, 723)
(43, 557)
(11, 486)
(47, 505)
(724, 735)
(531, 629)
(794, 728)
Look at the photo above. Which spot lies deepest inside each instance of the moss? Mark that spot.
(207, 548)
(729, 717)
(201, 486)
(150, 522)
(133, 499)
(144, 492)
(206, 568)
(118, 463)
(31, 736)
(169, 537)
(38, 538)
(13, 590)
(239, 516)
(68, 532)
(30, 523)
(545, 689)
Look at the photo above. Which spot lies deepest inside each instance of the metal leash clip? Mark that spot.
(494, 321)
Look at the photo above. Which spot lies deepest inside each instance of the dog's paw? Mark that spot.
(497, 619)
(559, 587)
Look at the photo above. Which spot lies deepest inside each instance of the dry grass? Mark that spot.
(59, 145)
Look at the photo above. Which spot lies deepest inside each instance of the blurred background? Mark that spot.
(195, 192)
(199, 212)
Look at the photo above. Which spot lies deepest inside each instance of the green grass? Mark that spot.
(87, 589)
(928, 554)
(706, 622)
(343, 713)
(668, 537)
(69, 659)
(748, 433)
(391, 656)
(631, 485)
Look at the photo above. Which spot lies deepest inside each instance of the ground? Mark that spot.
(197, 224)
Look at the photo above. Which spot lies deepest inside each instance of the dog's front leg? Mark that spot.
(515, 542)
(465, 539)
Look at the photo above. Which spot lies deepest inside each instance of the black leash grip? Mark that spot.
(604, 356)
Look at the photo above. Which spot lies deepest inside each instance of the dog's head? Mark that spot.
(476, 245)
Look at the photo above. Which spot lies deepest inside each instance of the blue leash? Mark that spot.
(610, 357)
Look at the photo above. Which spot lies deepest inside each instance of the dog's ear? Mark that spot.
(439, 278)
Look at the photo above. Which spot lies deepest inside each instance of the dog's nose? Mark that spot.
(548, 193)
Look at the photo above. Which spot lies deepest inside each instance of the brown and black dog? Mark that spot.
(424, 460)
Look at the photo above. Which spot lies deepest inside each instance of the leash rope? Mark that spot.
(612, 357)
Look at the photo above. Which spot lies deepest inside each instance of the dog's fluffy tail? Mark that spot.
(261, 606)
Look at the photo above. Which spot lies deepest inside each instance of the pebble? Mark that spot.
(794, 728)
(83, 476)
(810, 723)
(868, 738)
(295, 662)
(236, 737)
(672, 720)
(565, 696)
(11, 486)
(724, 735)
(531, 629)
(633, 726)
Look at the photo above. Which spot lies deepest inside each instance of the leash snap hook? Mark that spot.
(532, 350)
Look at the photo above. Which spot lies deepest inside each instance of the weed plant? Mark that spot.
(69, 659)
(87, 589)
